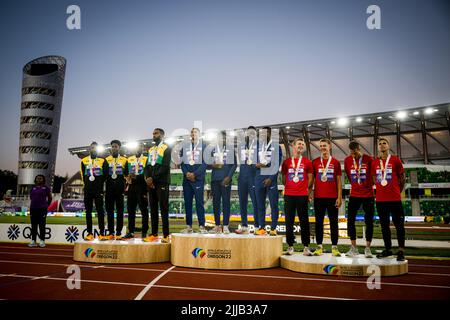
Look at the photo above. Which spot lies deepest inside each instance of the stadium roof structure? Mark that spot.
(419, 135)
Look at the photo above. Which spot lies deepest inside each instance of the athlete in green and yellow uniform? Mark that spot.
(157, 177)
(93, 172)
(137, 192)
(115, 187)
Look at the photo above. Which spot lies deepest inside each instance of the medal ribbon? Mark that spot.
(358, 169)
(325, 170)
(383, 168)
(298, 165)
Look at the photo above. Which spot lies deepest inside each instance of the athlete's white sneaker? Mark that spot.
(290, 251)
(307, 252)
(32, 244)
(368, 253)
(188, 229)
(216, 230)
(202, 230)
(226, 230)
(42, 244)
(352, 253)
(243, 230)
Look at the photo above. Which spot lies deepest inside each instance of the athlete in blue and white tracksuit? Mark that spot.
(247, 153)
(266, 181)
(194, 167)
(223, 168)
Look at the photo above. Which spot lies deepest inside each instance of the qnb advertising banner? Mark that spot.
(54, 233)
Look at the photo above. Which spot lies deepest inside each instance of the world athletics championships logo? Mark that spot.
(198, 252)
(89, 253)
(13, 232)
(72, 234)
(330, 269)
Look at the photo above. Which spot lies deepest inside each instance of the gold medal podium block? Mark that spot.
(121, 251)
(359, 266)
(225, 251)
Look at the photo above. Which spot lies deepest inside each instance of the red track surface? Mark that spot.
(40, 273)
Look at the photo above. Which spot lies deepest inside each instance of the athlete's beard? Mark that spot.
(157, 140)
(115, 154)
(93, 154)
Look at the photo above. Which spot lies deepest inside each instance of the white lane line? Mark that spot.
(92, 266)
(65, 279)
(8, 275)
(427, 265)
(189, 288)
(38, 278)
(40, 249)
(431, 274)
(251, 292)
(247, 275)
(152, 283)
(36, 254)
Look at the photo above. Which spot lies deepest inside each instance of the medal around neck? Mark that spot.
(91, 178)
(191, 162)
(384, 182)
(114, 176)
(323, 178)
(296, 179)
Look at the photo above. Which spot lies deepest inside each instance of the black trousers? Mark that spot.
(137, 197)
(385, 209)
(299, 205)
(89, 199)
(368, 205)
(322, 205)
(114, 199)
(159, 199)
(38, 217)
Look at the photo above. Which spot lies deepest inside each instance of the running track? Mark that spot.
(40, 273)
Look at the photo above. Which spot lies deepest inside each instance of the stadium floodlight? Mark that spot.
(416, 113)
(132, 145)
(171, 140)
(210, 136)
(319, 124)
(428, 110)
(100, 148)
(342, 122)
(359, 119)
(333, 122)
(435, 110)
(288, 127)
(401, 115)
(379, 117)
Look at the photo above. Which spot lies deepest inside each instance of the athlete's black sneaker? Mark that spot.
(400, 255)
(384, 254)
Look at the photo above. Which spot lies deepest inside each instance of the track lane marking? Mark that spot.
(250, 275)
(152, 283)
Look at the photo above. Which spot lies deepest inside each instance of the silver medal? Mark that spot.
(324, 178)
(296, 179)
(384, 182)
(91, 178)
(114, 176)
(191, 162)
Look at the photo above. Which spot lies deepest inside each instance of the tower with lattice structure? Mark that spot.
(42, 94)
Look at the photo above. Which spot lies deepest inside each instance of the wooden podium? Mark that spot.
(121, 251)
(220, 251)
(326, 264)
